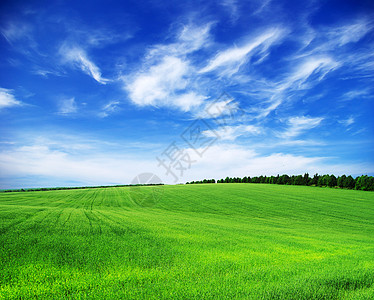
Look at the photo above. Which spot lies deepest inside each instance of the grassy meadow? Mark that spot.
(214, 241)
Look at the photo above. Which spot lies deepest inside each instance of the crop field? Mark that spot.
(213, 241)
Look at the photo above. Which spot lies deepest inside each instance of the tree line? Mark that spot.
(364, 182)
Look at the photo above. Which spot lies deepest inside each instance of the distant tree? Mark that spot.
(349, 182)
(340, 181)
(331, 181)
(315, 179)
(298, 180)
(370, 186)
(284, 179)
(323, 180)
(365, 183)
(306, 179)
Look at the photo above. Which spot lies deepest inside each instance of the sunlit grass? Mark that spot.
(210, 241)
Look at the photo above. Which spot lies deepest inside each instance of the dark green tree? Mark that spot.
(340, 181)
(349, 182)
(298, 180)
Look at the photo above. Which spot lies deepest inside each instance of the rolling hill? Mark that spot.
(213, 241)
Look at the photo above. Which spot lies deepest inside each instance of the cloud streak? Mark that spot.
(7, 99)
(231, 133)
(67, 106)
(298, 125)
(78, 58)
(229, 61)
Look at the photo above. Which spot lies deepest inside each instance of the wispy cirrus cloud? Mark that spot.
(109, 108)
(232, 8)
(347, 122)
(79, 59)
(299, 125)
(318, 66)
(318, 57)
(350, 33)
(229, 61)
(67, 106)
(21, 37)
(339, 35)
(223, 106)
(188, 39)
(338, 41)
(7, 98)
(356, 94)
(230, 133)
(307, 73)
(15, 31)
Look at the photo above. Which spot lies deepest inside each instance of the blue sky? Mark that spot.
(98, 93)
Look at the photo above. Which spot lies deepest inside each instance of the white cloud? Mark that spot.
(320, 55)
(159, 83)
(187, 102)
(232, 7)
(265, 111)
(166, 72)
(15, 31)
(349, 33)
(78, 57)
(356, 94)
(230, 133)
(224, 106)
(347, 122)
(7, 98)
(59, 166)
(109, 108)
(304, 76)
(310, 66)
(90, 166)
(297, 143)
(223, 160)
(190, 38)
(67, 106)
(263, 5)
(339, 42)
(298, 125)
(193, 38)
(229, 61)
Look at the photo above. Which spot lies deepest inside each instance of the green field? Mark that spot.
(214, 241)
